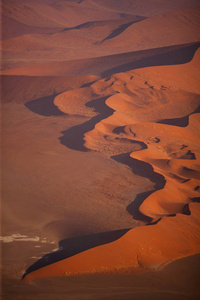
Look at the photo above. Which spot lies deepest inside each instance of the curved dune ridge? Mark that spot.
(107, 65)
(152, 126)
(98, 39)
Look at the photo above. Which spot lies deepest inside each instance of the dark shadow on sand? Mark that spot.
(170, 55)
(121, 28)
(115, 32)
(44, 106)
(73, 137)
(73, 246)
(181, 122)
(142, 169)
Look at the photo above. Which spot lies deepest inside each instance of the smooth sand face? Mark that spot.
(100, 146)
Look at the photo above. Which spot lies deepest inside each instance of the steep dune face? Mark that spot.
(169, 156)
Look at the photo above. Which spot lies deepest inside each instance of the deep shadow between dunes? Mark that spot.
(73, 246)
(181, 122)
(73, 137)
(142, 169)
(44, 106)
(171, 55)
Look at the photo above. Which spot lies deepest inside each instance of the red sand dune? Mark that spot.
(171, 159)
(182, 27)
(107, 64)
(139, 249)
(126, 76)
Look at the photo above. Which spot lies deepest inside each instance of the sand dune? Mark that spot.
(181, 26)
(105, 65)
(146, 8)
(12, 28)
(144, 247)
(100, 40)
(88, 33)
(55, 14)
(169, 156)
(100, 139)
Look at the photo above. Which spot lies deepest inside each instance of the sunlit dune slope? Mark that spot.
(184, 77)
(164, 121)
(139, 249)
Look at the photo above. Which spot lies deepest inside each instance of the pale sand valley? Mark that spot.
(100, 149)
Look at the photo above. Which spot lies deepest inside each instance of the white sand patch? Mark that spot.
(16, 237)
(44, 241)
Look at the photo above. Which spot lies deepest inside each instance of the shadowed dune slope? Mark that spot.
(107, 65)
(21, 89)
(166, 154)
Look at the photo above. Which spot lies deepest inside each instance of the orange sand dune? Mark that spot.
(166, 29)
(168, 154)
(146, 7)
(139, 249)
(103, 65)
(100, 40)
(136, 98)
(184, 77)
(126, 76)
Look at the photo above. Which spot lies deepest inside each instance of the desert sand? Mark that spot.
(100, 149)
